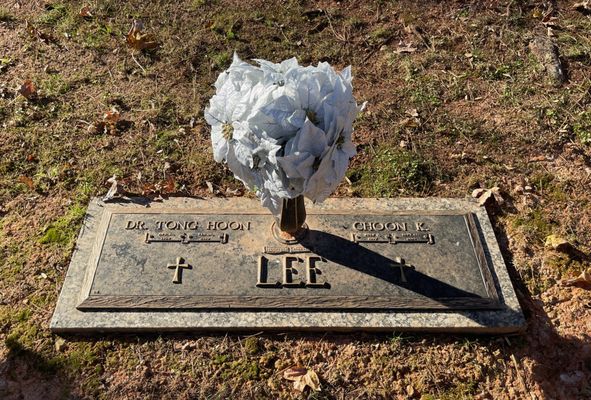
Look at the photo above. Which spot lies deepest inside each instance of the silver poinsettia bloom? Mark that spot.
(283, 129)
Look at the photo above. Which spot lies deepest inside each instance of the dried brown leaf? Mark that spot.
(302, 377)
(139, 40)
(583, 6)
(28, 89)
(486, 196)
(312, 380)
(85, 12)
(583, 280)
(294, 373)
(38, 34)
(27, 181)
(169, 185)
(112, 116)
(98, 128)
(148, 188)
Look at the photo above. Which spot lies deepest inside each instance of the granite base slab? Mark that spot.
(100, 295)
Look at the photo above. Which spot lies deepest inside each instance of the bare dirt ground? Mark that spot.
(458, 99)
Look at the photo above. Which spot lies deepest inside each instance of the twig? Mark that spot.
(340, 36)
(138, 64)
(519, 375)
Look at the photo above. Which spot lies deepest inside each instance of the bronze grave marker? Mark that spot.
(206, 258)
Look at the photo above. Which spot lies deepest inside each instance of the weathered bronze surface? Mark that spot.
(293, 215)
(199, 260)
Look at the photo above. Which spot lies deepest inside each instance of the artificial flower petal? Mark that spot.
(283, 129)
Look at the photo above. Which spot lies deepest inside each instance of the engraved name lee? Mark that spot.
(290, 263)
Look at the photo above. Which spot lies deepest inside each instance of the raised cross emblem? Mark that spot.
(178, 269)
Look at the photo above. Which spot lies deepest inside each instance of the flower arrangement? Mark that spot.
(283, 129)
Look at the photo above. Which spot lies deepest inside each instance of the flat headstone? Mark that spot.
(216, 264)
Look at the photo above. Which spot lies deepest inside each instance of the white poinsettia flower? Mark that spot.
(284, 130)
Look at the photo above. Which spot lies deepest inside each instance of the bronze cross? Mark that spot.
(178, 273)
(400, 263)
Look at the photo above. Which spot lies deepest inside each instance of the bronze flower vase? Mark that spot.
(291, 226)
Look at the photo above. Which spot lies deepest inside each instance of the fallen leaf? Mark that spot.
(486, 196)
(294, 373)
(409, 122)
(236, 192)
(584, 279)
(60, 344)
(85, 12)
(108, 125)
(113, 190)
(209, 186)
(28, 89)
(583, 6)
(302, 377)
(518, 189)
(550, 21)
(169, 185)
(139, 40)
(37, 34)
(112, 116)
(31, 158)
(405, 49)
(27, 181)
(98, 128)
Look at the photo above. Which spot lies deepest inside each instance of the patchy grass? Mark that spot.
(63, 230)
(5, 15)
(582, 127)
(392, 172)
